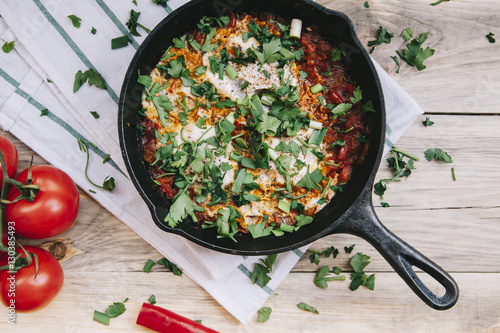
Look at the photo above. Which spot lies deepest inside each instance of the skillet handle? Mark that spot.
(362, 221)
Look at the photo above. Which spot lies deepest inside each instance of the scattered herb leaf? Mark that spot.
(491, 37)
(8, 46)
(307, 307)
(75, 20)
(264, 314)
(427, 122)
(383, 36)
(437, 154)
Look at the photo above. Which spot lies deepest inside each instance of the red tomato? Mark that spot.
(26, 292)
(55, 206)
(9, 152)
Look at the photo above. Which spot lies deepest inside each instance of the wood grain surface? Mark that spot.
(455, 223)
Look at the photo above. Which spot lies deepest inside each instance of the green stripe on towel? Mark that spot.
(117, 22)
(55, 118)
(72, 45)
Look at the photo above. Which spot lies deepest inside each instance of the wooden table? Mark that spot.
(455, 223)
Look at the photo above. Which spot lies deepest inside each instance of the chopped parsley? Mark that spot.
(259, 275)
(90, 75)
(8, 46)
(307, 307)
(132, 23)
(264, 314)
(321, 279)
(358, 278)
(114, 310)
(383, 36)
(181, 208)
(400, 168)
(407, 34)
(437, 154)
(427, 122)
(396, 60)
(491, 37)
(414, 54)
(75, 20)
(348, 249)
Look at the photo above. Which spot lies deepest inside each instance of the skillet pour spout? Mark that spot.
(350, 212)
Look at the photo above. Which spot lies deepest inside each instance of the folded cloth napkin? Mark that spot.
(37, 105)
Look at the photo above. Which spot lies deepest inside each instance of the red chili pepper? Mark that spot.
(232, 21)
(162, 320)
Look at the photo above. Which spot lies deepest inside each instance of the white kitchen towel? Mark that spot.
(38, 76)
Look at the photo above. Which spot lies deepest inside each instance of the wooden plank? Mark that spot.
(391, 307)
(464, 73)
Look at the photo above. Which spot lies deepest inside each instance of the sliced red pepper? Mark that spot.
(232, 21)
(162, 320)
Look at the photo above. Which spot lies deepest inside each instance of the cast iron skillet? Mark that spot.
(350, 212)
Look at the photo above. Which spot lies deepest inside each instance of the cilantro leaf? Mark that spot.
(321, 277)
(93, 77)
(337, 54)
(370, 282)
(396, 60)
(407, 34)
(359, 261)
(180, 209)
(357, 280)
(383, 36)
(414, 54)
(8, 46)
(302, 220)
(348, 249)
(368, 107)
(116, 309)
(207, 47)
(358, 95)
(163, 105)
(132, 23)
(437, 154)
(179, 43)
(270, 261)
(308, 182)
(75, 20)
(259, 230)
(428, 122)
(307, 307)
(259, 275)
(340, 109)
(491, 37)
(270, 51)
(264, 314)
(145, 80)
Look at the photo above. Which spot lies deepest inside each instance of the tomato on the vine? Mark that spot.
(9, 153)
(24, 290)
(54, 208)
